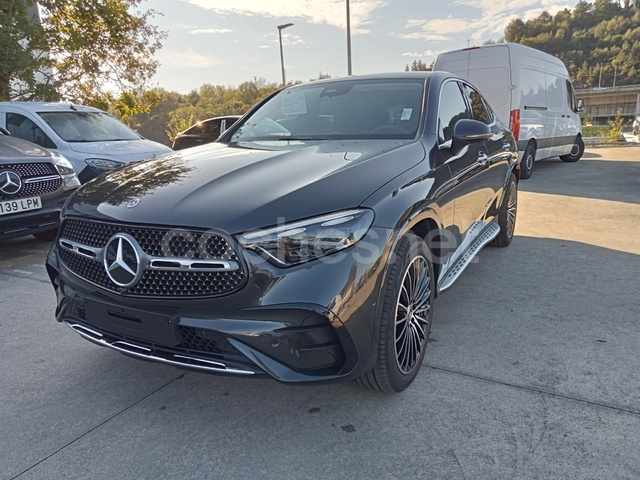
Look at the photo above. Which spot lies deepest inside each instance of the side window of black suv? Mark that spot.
(478, 108)
(451, 109)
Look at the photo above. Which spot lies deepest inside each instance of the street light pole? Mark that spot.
(280, 28)
(348, 40)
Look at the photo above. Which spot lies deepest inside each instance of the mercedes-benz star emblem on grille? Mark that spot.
(133, 202)
(122, 260)
(10, 182)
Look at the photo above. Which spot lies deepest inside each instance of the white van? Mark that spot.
(92, 140)
(530, 91)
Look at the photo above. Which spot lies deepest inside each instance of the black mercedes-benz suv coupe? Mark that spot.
(34, 184)
(308, 243)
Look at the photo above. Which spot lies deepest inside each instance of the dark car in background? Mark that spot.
(34, 184)
(203, 132)
(307, 244)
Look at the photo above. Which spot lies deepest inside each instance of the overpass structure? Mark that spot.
(603, 104)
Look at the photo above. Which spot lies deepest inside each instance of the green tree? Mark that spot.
(84, 51)
(597, 41)
(22, 43)
(417, 66)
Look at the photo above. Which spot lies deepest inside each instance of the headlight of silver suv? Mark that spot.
(65, 169)
(103, 164)
(298, 242)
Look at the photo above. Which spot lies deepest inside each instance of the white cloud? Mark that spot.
(186, 59)
(290, 39)
(263, 46)
(330, 12)
(438, 29)
(199, 31)
(426, 53)
(493, 18)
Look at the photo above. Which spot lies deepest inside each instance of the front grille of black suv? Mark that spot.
(156, 242)
(31, 173)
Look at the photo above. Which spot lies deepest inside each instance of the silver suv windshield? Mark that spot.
(87, 127)
(346, 109)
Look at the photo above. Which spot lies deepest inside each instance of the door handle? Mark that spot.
(483, 159)
(506, 146)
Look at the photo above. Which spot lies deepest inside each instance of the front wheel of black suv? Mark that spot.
(405, 321)
(577, 150)
(507, 214)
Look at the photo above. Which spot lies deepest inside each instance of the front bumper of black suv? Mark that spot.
(310, 323)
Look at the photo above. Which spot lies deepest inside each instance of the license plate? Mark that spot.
(150, 327)
(19, 205)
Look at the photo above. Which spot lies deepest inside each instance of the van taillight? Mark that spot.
(514, 123)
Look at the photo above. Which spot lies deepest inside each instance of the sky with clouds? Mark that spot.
(227, 42)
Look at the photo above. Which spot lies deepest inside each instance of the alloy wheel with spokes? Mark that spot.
(512, 208)
(412, 314)
(405, 317)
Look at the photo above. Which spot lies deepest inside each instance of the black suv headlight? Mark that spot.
(299, 242)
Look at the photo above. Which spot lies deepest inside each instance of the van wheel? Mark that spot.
(576, 151)
(528, 159)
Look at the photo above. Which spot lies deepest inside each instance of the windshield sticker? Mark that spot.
(294, 103)
(406, 114)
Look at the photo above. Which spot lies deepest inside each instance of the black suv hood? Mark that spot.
(239, 187)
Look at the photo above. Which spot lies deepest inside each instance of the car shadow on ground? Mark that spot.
(585, 179)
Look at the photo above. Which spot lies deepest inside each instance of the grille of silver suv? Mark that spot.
(156, 242)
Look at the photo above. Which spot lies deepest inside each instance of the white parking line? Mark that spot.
(24, 272)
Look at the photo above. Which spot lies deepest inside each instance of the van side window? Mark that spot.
(451, 109)
(571, 98)
(478, 108)
(24, 128)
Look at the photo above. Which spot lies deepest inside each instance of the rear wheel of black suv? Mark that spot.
(406, 317)
(507, 214)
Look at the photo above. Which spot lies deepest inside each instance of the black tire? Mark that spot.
(402, 344)
(47, 236)
(507, 214)
(527, 161)
(576, 151)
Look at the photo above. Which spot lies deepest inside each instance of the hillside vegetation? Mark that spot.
(603, 35)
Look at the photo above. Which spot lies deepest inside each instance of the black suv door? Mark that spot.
(468, 168)
(498, 149)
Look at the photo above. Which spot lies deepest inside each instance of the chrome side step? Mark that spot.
(145, 353)
(488, 234)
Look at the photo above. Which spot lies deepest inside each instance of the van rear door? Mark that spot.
(487, 69)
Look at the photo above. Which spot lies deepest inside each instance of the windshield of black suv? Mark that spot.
(346, 109)
(87, 127)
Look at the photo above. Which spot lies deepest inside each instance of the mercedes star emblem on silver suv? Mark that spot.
(10, 182)
(122, 260)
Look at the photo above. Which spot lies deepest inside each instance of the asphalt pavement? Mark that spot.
(532, 372)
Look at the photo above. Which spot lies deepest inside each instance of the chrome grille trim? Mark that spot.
(145, 353)
(173, 262)
(42, 179)
(155, 263)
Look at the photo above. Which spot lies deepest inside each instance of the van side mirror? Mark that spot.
(580, 105)
(467, 131)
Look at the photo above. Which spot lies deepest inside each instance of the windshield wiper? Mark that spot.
(300, 139)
